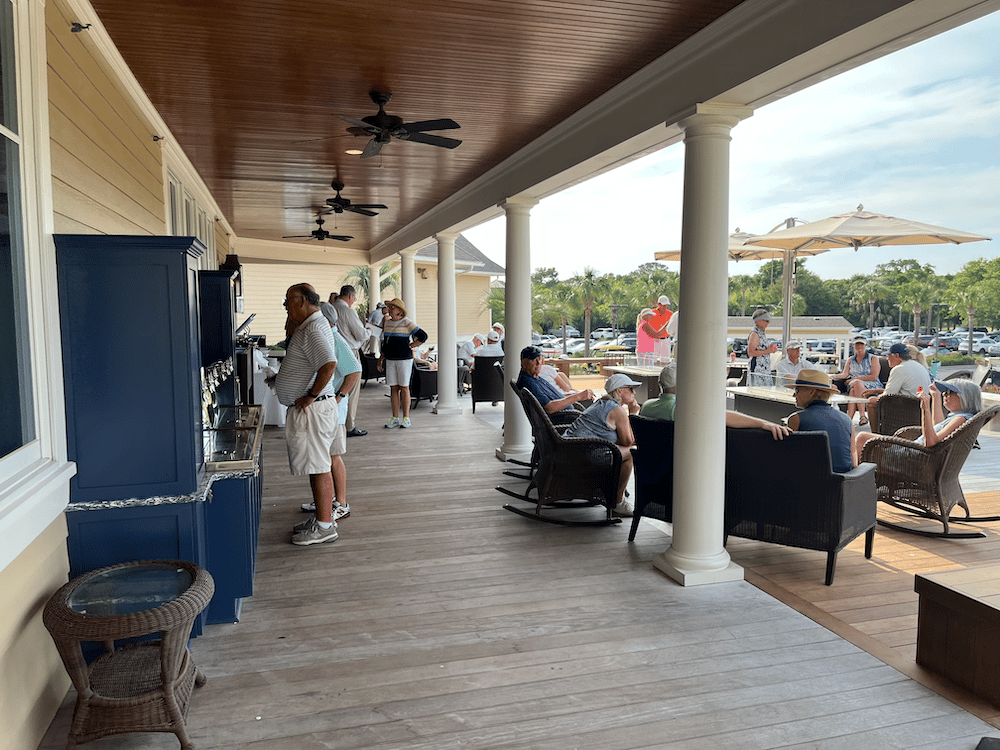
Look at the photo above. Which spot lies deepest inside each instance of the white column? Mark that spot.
(517, 306)
(409, 284)
(447, 400)
(696, 554)
(374, 286)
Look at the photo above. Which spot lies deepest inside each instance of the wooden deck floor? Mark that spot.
(438, 620)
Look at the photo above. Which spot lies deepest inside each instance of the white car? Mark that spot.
(981, 346)
(603, 334)
(993, 350)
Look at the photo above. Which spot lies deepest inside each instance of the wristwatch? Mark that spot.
(338, 394)
(310, 395)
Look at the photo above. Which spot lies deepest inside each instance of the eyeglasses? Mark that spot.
(284, 302)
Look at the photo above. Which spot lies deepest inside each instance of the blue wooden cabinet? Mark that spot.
(128, 308)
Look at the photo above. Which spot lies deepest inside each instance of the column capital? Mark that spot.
(518, 204)
(409, 252)
(710, 113)
(446, 236)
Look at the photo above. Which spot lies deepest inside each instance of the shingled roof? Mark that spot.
(465, 254)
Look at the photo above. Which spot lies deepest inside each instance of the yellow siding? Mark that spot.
(473, 315)
(29, 663)
(107, 173)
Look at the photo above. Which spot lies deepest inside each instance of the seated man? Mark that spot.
(905, 377)
(492, 348)
(813, 389)
(664, 407)
(788, 367)
(466, 353)
(550, 397)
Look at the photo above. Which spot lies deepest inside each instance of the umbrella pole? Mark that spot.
(786, 305)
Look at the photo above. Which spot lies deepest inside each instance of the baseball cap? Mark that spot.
(663, 300)
(793, 344)
(619, 380)
(492, 336)
(943, 386)
(531, 352)
(899, 349)
(668, 376)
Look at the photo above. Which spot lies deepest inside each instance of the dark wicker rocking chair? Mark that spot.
(569, 470)
(924, 481)
(894, 411)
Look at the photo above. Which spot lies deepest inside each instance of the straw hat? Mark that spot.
(396, 302)
(816, 379)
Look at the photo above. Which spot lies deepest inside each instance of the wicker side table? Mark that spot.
(143, 686)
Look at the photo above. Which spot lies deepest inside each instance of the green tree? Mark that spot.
(358, 277)
(975, 290)
(587, 290)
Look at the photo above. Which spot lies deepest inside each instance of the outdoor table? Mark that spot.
(143, 685)
(775, 403)
(957, 624)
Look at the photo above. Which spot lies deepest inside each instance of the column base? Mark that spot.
(446, 409)
(691, 572)
(519, 452)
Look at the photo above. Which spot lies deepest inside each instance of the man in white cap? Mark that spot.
(659, 322)
(466, 353)
(492, 347)
(789, 366)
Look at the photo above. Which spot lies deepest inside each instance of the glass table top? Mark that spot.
(129, 589)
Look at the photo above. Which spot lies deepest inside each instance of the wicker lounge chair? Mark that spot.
(924, 480)
(569, 470)
(894, 411)
(144, 686)
(811, 507)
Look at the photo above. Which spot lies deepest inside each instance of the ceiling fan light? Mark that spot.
(354, 151)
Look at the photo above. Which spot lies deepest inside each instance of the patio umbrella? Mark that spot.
(857, 229)
(737, 249)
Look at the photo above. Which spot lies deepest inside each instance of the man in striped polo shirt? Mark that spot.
(304, 385)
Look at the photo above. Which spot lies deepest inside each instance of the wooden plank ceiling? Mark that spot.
(251, 91)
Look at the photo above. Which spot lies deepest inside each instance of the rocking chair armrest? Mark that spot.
(908, 433)
(873, 449)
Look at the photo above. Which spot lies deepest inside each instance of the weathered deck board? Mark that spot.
(438, 620)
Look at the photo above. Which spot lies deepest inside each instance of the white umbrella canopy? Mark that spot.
(737, 249)
(857, 229)
(861, 229)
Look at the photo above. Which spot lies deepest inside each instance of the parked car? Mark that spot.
(993, 350)
(982, 346)
(603, 334)
(628, 340)
(571, 332)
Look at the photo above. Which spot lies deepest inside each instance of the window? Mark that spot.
(17, 422)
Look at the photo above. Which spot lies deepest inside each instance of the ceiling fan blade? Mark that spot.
(356, 122)
(432, 140)
(297, 236)
(422, 125)
(359, 210)
(361, 131)
(370, 205)
(374, 148)
(341, 237)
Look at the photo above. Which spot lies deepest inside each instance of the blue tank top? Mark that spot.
(819, 415)
(594, 421)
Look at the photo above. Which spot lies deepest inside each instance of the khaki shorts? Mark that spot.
(310, 435)
(338, 446)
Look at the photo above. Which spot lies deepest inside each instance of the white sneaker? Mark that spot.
(340, 511)
(306, 524)
(394, 422)
(405, 422)
(623, 509)
(308, 507)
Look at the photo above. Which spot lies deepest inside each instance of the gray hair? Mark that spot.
(308, 293)
(969, 394)
(347, 290)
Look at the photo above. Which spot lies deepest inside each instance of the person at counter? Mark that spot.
(304, 385)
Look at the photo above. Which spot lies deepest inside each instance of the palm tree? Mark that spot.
(870, 291)
(358, 277)
(587, 287)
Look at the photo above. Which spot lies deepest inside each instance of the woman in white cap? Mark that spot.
(861, 373)
(962, 398)
(759, 349)
(607, 418)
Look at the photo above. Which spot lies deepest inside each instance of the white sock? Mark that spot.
(325, 524)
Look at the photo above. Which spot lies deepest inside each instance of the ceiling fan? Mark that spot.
(382, 128)
(338, 205)
(319, 234)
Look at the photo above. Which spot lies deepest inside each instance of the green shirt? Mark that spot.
(661, 408)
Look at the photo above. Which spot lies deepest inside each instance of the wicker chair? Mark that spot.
(144, 686)
(369, 369)
(924, 480)
(487, 382)
(423, 384)
(894, 411)
(812, 507)
(569, 470)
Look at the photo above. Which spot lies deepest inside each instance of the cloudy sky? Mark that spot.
(915, 134)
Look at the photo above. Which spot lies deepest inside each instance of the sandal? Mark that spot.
(863, 421)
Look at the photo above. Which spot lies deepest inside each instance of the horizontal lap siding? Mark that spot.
(107, 173)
